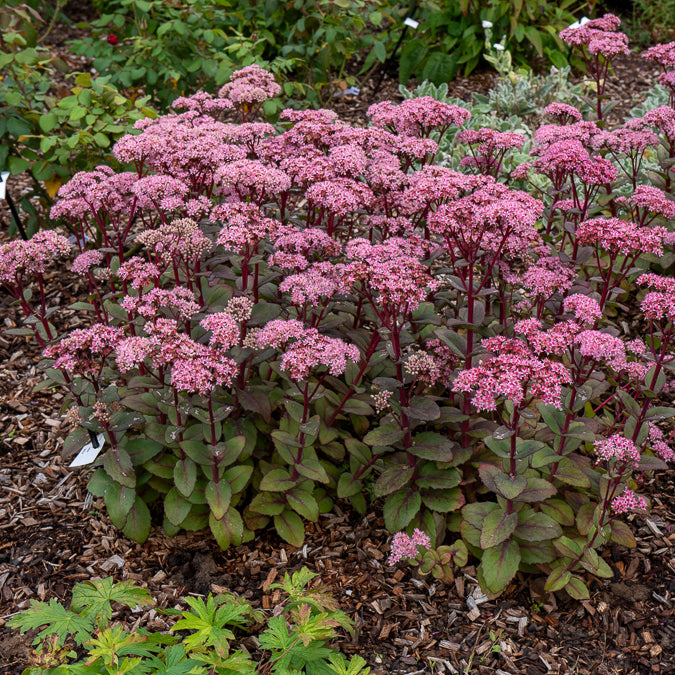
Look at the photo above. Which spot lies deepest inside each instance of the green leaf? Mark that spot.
(229, 530)
(138, 522)
(98, 482)
(497, 527)
(557, 579)
(393, 479)
(537, 490)
(622, 534)
(386, 434)
(304, 503)
(142, 449)
(442, 479)
(411, 56)
(59, 621)
(567, 548)
(348, 486)
(508, 487)
(500, 564)
(312, 469)
(209, 619)
(176, 506)
(118, 466)
(268, 503)
(238, 477)
(93, 599)
(400, 508)
(560, 511)
(439, 68)
(185, 476)
(118, 502)
(198, 452)
(218, 496)
(568, 472)
(433, 446)
(577, 589)
(443, 501)
(423, 409)
(534, 526)
(48, 121)
(476, 513)
(290, 528)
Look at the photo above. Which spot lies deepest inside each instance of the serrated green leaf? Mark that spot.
(93, 599)
(59, 621)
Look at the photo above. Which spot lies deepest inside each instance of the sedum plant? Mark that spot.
(201, 640)
(282, 317)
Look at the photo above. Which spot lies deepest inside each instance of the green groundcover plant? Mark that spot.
(47, 132)
(84, 639)
(170, 48)
(282, 317)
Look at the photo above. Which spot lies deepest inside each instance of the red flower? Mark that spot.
(112, 39)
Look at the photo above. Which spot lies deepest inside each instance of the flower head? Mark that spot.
(403, 546)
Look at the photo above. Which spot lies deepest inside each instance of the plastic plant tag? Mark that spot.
(3, 184)
(88, 453)
(411, 23)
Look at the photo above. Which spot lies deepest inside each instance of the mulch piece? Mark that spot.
(53, 535)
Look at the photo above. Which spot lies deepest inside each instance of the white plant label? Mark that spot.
(88, 453)
(3, 184)
(411, 23)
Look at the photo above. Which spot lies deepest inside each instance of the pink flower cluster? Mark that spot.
(629, 501)
(599, 36)
(250, 86)
(621, 237)
(19, 258)
(84, 350)
(586, 309)
(564, 113)
(178, 302)
(405, 547)
(659, 303)
(392, 272)
(617, 448)
(305, 348)
(418, 116)
(514, 373)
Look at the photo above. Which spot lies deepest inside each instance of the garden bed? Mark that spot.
(53, 535)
